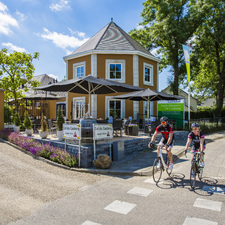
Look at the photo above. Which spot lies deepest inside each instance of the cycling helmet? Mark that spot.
(195, 125)
(164, 119)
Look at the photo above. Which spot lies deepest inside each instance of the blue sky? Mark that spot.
(54, 28)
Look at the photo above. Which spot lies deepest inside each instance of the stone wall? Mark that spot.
(130, 147)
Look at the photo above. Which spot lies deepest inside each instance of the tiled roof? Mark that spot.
(111, 37)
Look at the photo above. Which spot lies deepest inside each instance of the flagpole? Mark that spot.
(189, 106)
(186, 49)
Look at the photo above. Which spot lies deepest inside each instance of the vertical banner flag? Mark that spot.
(187, 60)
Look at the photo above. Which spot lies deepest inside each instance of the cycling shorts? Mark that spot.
(163, 141)
(194, 150)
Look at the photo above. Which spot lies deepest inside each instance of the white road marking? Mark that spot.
(90, 223)
(120, 207)
(151, 181)
(140, 191)
(194, 221)
(208, 204)
(213, 189)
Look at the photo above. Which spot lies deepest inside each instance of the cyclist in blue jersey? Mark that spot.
(166, 130)
(198, 139)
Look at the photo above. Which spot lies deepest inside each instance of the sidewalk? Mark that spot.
(140, 164)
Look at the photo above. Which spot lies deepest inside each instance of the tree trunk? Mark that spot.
(220, 94)
(176, 74)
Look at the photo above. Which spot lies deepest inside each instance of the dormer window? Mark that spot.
(79, 70)
(148, 74)
(115, 70)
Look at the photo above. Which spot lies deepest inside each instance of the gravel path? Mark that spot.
(27, 183)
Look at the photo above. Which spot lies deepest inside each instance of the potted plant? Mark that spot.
(60, 122)
(17, 123)
(44, 128)
(27, 124)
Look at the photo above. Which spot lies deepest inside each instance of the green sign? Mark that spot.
(172, 110)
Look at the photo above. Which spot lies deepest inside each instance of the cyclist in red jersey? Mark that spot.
(166, 130)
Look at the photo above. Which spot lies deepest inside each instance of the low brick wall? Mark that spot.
(130, 147)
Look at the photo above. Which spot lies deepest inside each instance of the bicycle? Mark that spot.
(157, 171)
(196, 169)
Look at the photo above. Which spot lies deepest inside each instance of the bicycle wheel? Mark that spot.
(200, 173)
(168, 170)
(193, 175)
(157, 171)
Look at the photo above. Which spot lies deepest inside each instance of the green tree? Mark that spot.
(167, 25)
(16, 69)
(208, 54)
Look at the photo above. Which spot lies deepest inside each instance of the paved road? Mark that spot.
(26, 184)
(136, 200)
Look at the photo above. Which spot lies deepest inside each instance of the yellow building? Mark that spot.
(112, 54)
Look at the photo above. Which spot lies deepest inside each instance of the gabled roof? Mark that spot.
(111, 37)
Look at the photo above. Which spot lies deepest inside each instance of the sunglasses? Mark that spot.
(163, 122)
(195, 128)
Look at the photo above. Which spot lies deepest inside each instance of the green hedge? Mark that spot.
(205, 112)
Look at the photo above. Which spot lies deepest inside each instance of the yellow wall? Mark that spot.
(101, 63)
(87, 59)
(1, 109)
(143, 60)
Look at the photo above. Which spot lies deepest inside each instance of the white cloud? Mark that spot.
(53, 76)
(21, 15)
(68, 52)
(12, 47)
(139, 27)
(3, 7)
(80, 34)
(6, 20)
(61, 40)
(58, 7)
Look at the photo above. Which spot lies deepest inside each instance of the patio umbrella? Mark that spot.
(89, 85)
(148, 95)
(42, 97)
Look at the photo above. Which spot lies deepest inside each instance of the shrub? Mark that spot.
(47, 151)
(7, 113)
(60, 120)
(44, 125)
(17, 120)
(27, 122)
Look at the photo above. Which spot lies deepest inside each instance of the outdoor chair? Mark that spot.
(36, 124)
(118, 126)
(141, 124)
(52, 127)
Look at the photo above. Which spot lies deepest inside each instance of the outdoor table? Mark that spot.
(131, 129)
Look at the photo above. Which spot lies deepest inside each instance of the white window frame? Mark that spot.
(107, 110)
(75, 65)
(74, 116)
(59, 103)
(115, 61)
(149, 66)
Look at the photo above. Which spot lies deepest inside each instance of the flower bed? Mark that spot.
(47, 151)
(5, 133)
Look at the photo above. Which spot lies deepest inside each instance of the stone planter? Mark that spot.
(29, 132)
(43, 134)
(60, 135)
(16, 129)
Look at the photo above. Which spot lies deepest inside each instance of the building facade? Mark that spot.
(111, 54)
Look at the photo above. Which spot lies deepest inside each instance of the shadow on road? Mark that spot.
(178, 180)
